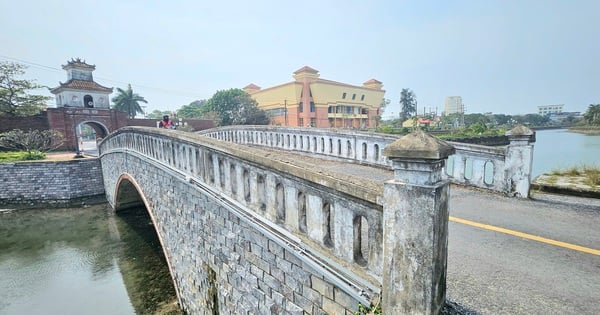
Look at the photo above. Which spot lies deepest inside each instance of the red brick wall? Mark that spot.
(37, 122)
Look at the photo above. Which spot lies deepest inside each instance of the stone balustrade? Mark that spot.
(277, 233)
(505, 169)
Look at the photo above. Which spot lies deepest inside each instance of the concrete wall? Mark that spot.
(50, 183)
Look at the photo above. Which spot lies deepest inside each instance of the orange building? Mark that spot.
(312, 101)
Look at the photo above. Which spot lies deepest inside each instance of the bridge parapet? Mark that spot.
(321, 220)
(505, 169)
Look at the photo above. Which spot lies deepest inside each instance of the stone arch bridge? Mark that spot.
(298, 220)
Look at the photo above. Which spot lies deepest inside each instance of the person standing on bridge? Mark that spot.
(166, 123)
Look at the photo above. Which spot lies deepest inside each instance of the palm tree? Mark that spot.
(592, 115)
(128, 102)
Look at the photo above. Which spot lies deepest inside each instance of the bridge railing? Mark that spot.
(297, 203)
(505, 169)
(365, 238)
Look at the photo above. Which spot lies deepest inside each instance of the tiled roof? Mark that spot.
(252, 86)
(77, 62)
(372, 81)
(306, 69)
(82, 85)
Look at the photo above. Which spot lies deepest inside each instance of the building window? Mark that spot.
(343, 95)
(301, 122)
(300, 107)
(362, 98)
(353, 96)
(313, 122)
(312, 107)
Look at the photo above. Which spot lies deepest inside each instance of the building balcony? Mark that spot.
(346, 116)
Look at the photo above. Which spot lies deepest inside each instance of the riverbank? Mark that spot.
(593, 131)
(571, 185)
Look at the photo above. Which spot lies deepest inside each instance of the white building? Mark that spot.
(80, 90)
(550, 109)
(453, 104)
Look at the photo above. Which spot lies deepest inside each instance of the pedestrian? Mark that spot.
(166, 123)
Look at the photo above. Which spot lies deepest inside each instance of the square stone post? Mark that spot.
(519, 161)
(415, 226)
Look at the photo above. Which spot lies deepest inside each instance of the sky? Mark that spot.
(505, 56)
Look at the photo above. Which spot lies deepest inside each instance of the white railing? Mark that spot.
(505, 169)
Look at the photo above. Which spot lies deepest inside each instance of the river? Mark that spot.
(560, 149)
(82, 261)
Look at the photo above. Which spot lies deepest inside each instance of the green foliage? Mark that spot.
(34, 142)
(591, 174)
(592, 115)
(129, 102)
(12, 156)
(373, 309)
(196, 109)
(157, 114)
(408, 103)
(236, 107)
(476, 130)
(14, 99)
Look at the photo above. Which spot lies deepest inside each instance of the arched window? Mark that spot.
(302, 212)
(261, 192)
(361, 240)
(246, 182)
(327, 226)
(279, 203)
(233, 179)
(88, 101)
(364, 151)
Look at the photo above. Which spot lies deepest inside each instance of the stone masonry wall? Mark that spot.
(44, 182)
(219, 260)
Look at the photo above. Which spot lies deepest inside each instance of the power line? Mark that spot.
(54, 69)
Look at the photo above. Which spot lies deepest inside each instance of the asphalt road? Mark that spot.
(493, 272)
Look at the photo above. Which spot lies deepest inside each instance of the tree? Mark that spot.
(14, 99)
(408, 103)
(592, 115)
(35, 142)
(235, 107)
(196, 109)
(158, 114)
(127, 101)
(384, 103)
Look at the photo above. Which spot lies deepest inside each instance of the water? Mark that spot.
(561, 149)
(82, 261)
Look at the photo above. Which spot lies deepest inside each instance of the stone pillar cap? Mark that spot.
(520, 130)
(419, 145)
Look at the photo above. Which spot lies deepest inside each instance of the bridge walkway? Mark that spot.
(500, 260)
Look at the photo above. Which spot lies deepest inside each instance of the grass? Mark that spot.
(591, 174)
(11, 156)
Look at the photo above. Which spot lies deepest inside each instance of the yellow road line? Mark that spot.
(527, 236)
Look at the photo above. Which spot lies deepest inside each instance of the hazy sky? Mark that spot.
(500, 56)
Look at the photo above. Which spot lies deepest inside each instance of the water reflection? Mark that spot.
(82, 261)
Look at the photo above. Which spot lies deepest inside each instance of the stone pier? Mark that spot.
(415, 225)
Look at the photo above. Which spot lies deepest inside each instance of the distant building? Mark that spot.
(80, 90)
(312, 101)
(453, 104)
(550, 109)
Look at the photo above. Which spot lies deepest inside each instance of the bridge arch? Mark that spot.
(129, 194)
